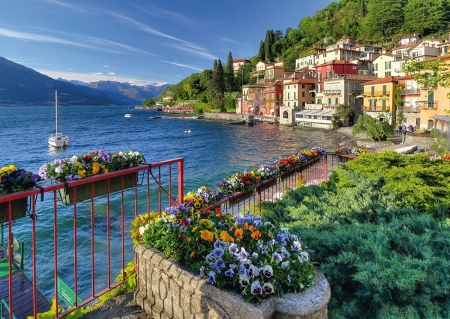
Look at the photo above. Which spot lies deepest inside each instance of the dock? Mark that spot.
(22, 291)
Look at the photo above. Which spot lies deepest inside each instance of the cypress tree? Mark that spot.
(230, 73)
(261, 53)
(268, 45)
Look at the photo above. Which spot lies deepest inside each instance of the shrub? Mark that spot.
(383, 257)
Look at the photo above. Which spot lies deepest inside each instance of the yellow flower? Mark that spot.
(81, 172)
(224, 236)
(205, 222)
(207, 235)
(269, 234)
(192, 254)
(95, 168)
(121, 154)
(194, 229)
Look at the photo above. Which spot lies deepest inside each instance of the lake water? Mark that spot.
(211, 150)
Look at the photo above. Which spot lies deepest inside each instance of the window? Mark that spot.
(372, 91)
(303, 86)
(289, 95)
(354, 67)
(295, 104)
(387, 74)
(285, 115)
(303, 94)
(295, 86)
(295, 95)
(383, 105)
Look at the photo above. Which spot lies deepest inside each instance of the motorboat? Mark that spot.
(128, 115)
(58, 139)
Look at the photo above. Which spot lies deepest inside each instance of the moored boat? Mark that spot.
(58, 139)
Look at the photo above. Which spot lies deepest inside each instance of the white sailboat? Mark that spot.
(58, 139)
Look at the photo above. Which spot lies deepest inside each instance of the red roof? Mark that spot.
(388, 79)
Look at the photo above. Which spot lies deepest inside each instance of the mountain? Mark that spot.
(134, 92)
(20, 85)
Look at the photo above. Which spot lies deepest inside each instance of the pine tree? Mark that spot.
(261, 53)
(268, 45)
(230, 73)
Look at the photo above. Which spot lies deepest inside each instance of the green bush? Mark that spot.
(383, 254)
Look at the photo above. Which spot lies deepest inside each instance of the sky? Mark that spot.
(139, 41)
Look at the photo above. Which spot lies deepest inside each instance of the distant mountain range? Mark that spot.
(20, 85)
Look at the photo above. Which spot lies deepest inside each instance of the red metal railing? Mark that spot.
(84, 242)
(78, 248)
(310, 173)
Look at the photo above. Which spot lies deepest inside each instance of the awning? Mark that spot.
(360, 96)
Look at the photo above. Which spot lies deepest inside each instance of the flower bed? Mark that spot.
(88, 165)
(13, 180)
(166, 290)
(350, 151)
(246, 258)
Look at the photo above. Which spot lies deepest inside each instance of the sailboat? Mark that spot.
(58, 139)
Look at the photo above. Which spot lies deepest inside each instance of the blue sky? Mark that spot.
(139, 41)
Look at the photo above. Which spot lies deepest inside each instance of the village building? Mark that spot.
(237, 63)
(410, 95)
(379, 98)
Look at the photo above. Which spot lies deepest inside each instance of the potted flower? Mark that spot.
(88, 165)
(226, 264)
(13, 180)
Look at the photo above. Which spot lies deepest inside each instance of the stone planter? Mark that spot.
(84, 191)
(164, 290)
(19, 209)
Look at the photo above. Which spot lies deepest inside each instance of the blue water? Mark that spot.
(211, 150)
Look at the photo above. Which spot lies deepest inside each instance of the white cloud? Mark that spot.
(183, 65)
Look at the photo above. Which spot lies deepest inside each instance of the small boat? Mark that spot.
(128, 115)
(58, 139)
(155, 117)
(407, 150)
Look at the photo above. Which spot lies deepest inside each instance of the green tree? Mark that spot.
(426, 16)
(372, 127)
(384, 19)
(268, 45)
(230, 84)
(261, 53)
(429, 73)
(344, 111)
(149, 102)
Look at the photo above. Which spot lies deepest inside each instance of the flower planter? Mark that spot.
(19, 209)
(84, 191)
(165, 290)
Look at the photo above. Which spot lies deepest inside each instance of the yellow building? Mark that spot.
(434, 103)
(379, 98)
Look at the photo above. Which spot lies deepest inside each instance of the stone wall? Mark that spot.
(164, 290)
(224, 116)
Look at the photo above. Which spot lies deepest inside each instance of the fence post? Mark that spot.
(181, 181)
(325, 168)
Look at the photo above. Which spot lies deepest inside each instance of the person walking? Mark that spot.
(403, 132)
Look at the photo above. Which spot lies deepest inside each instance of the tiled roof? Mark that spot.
(388, 79)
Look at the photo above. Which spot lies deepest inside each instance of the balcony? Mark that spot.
(332, 92)
(355, 91)
(412, 91)
(428, 105)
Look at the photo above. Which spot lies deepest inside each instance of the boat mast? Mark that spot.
(56, 106)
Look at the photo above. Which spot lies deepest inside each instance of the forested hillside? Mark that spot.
(377, 22)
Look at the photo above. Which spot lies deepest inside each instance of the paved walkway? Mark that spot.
(120, 307)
